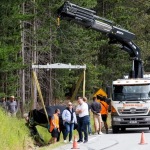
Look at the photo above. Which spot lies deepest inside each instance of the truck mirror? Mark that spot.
(108, 91)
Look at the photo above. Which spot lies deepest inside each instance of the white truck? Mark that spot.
(130, 105)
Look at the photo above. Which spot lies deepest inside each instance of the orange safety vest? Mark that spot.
(104, 108)
(55, 120)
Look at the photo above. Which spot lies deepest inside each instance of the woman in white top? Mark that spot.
(69, 119)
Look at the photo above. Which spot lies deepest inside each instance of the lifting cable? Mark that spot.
(64, 36)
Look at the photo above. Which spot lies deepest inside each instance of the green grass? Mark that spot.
(14, 134)
(46, 136)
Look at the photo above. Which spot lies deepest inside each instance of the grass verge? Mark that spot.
(14, 134)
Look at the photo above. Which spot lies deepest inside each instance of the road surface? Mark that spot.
(131, 139)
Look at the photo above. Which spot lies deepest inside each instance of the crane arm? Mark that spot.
(117, 35)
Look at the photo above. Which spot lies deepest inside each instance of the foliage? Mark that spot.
(10, 43)
(14, 134)
(69, 43)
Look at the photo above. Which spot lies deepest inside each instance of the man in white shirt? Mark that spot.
(82, 111)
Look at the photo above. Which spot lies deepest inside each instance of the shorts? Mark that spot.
(104, 117)
(55, 133)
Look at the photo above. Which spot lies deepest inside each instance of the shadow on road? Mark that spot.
(131, 130)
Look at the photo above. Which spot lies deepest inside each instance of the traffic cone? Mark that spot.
(142, 142)
(75, 144)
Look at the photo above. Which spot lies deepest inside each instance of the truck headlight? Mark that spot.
(116, 119)
(147, 119)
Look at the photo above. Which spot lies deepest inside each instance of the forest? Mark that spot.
(29, 34)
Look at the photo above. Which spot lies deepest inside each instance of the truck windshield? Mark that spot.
(131, 92)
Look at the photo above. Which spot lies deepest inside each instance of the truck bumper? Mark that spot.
(131, 121)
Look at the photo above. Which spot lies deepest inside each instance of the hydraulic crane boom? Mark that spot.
(89, 19)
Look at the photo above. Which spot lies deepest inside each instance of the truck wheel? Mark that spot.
(115, 129)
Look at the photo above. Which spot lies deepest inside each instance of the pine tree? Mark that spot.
(10, 47)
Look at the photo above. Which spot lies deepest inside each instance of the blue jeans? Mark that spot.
(69, 129)
(82, 127)
(89, 127)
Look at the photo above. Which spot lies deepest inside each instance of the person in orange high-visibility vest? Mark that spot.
(104, 112)
(54, 126)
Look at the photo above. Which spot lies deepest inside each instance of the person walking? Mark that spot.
(12, 106)
(96, 108)
(82, 111)
(69, 119)
(54, 126)
(104, 112)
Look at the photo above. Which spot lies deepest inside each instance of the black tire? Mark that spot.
(115, 129)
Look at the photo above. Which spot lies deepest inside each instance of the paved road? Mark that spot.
(130, 140)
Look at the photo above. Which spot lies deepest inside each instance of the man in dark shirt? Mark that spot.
(96, 108)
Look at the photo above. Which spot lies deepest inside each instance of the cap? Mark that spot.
(25, 115)
(12, 96)
(69, 103)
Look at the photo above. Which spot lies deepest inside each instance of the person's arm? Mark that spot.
(63, 115)
(83, 108)
(58, 125)
(53, 121)
(92, 109)
(77, 110)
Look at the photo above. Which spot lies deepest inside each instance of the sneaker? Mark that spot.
(95, 133)
(65, 141)
(100, 133)
(79, 141)
(85, 141)
(70, 141)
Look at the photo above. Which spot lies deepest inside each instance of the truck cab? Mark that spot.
(130, 105)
